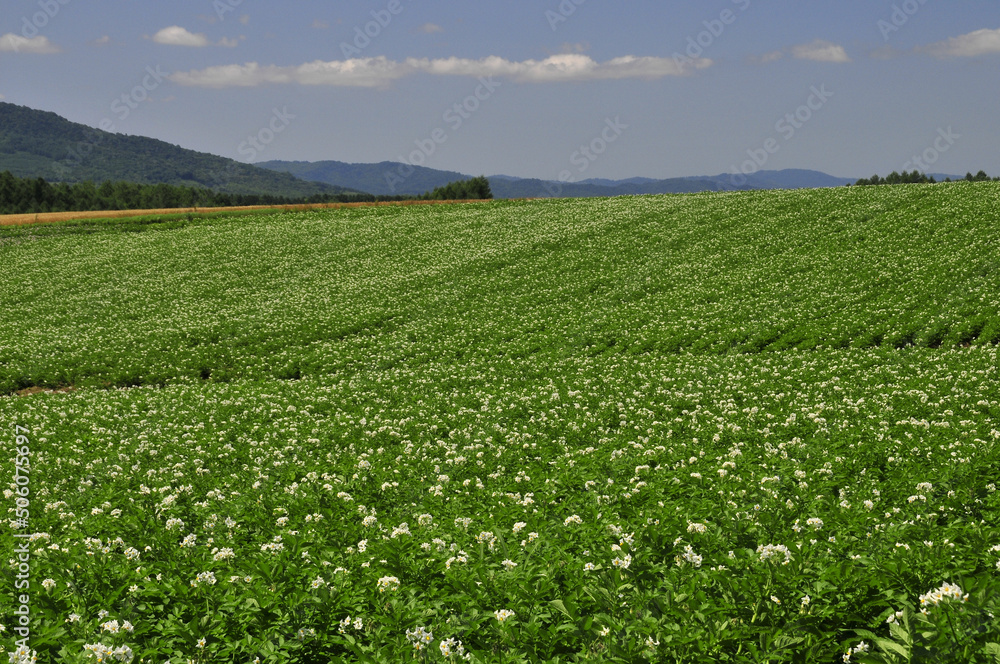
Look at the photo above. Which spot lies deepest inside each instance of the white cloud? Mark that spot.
(380, 71)
(2, 97)
(980, 42)
(226, 76)
(820, 51)
(565, 67)
(430, 28)
(245, 19)
(319, 24)
(101, 41)
(175, 35)
(178, 36)
(12, 43)
(365, 72)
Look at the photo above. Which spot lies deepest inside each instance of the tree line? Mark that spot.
(472, 189)
(33, 195)
(916, 177)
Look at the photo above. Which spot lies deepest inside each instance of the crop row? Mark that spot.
(609, 502)
(326, 292)
(723, 427)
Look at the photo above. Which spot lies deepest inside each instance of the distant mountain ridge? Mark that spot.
(37, 143)
(381, 179)
(42, 144)
(391, 178)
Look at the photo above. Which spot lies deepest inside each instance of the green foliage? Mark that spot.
(916, 177)
(477, 189)
(711, 428)
(19, 196)
(956, 628)
(38, 144)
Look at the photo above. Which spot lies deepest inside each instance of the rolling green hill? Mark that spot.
(723, 427)
(717, 273)
(42, 144)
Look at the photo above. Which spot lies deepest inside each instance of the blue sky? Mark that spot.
(568, 89)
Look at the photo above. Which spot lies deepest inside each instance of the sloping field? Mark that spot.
(716, 427)
(303, 294)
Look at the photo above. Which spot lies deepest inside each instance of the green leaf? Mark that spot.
(784, 641)
(561, 607)
(891, 646)
(900, 634)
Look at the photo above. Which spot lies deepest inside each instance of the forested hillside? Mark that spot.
(41, 144)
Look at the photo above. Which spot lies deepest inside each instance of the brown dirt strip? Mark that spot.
(28, 391)
(53, 217)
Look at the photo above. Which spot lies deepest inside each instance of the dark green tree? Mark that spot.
(8, 192)
(477, 188)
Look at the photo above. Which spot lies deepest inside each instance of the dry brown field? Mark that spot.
(52, 217)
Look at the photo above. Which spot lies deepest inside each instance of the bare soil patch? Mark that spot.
(53, 217)
(35, 389)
